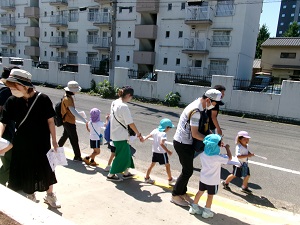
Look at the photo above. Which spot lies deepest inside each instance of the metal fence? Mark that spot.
(144, 75)
(193, 79)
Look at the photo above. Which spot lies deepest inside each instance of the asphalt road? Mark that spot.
(274, 181)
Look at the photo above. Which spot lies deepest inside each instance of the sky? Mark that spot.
(270, 15)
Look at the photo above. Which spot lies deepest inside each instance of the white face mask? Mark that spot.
(209, 107)
(17, 93)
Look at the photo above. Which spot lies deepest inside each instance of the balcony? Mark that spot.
(100, 18)
(223, 9)
(195, 46)
(198, 15)
(32, 32)
(59, 21)
(102, 1)
(221, 41)
(59, 2)
(8, 40)
(143, 57)
(8, 54)
(99, 43)
(147, 6)
(7, 4)
(32, 50)
(8, 22)
(32, 12)
(146, 31)
(58, 42)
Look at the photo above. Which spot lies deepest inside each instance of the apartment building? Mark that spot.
(59, 30)
(194, 37)
(289, 12)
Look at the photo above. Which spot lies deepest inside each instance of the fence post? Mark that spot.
(121, 77)
(165, 83)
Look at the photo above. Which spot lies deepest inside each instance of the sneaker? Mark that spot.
(93, 164)
(246, 190)
(107, 168)
(225, 186)
(128, 176)
(172, 182)
(178, 200)
(51, 200)
(207, 213)
(149, 180)
(195, 209)
(87, 161)
(187, 198)
(32, 197)
(114, 178)
(79, 159)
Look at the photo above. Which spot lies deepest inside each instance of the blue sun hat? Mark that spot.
(95, 115)
(211, 144)
(164, 123)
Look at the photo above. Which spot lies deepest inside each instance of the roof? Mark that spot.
(256, 63)
(282, 41)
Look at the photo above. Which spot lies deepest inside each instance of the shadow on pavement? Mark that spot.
(221, 217)
(81, 167)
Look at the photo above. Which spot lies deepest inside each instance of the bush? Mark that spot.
(172, 99)
(106, 90)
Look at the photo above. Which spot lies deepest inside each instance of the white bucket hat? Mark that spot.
(73, 86)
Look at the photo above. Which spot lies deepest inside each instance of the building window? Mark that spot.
(169, 6)
(182, 5)
(282, 15)
(218, 67)
(177, 62)
(292, 15)
(130, 9)
(294, 6)
(281, 24)
(291, 23)
(225, 8)
(120, 9)
(118, 57)
(167, 34)
(129, 34)
(73, 37)
(119, 34)
(287, 55)
(19, 51)
(280, 32)
(45, 53)
(221, 38)
(180, 34)
(284, 6)
(52, 13)
(45, 34)
(51, 54)
(18, 15)
(165, 61)
(45, 14)
(51, 33)
(127, 58)
(19, 33)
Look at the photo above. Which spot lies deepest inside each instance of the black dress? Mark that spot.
(30, 170)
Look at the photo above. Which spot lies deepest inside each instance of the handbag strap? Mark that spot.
(29, 109)
(119, 121)
(95, 129)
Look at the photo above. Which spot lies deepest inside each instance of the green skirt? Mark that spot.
(123, 159)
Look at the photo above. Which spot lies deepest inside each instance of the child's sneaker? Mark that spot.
(149, 180)
(207, 213)
(195, 209)
(246, 190)
(107, 168)
(87, 161)
(225, 186)
(173, 181)
(93, 163)
(52, 200)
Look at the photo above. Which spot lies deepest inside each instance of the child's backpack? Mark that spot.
(58, 118)
(107, 132)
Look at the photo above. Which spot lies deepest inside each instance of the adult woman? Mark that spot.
(120, 119)
(30, 170)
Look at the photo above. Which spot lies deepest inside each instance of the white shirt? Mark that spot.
(241, 150)
(157, 137)
(98, 127)
(183, 131)
(211, 168)
(121, 111)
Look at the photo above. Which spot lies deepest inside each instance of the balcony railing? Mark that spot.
(221, 40)
(200, 14)
(58, 20)
(73, 39)
(100, 18)
(58, 42)
(7, 4)
(225, 9)
(59, 2)
(93, 61)
(8, 54)
(8, 40)
(98, 42)
(195, 44)
(7, 22)
(217, 69)
(200, 71)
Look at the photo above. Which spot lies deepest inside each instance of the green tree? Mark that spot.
(293, 30)
(263, 35)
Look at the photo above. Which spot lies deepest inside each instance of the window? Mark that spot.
(45, 34)
(225, 8)
(281, 24)
(167, 34)
(51, 54)
(280, 32)
(177, 62)
(19, 33)
(129, 34)
(51, 33)
(282, 15)
(45, 14)
(130, 9)
(221, 38)
(52, 13)
(284, 6)
(294, 6)
(120, 9)
(165, 61)
(19, 51)
(180, 34)
(292, 15)
(74, 15)
(119, 34)
(18, 15)
(118, 57)
(127, 58)
(45, 53)
(182, 5)
(73, 37)
(169, 6)
(218, 67)
(288, 55)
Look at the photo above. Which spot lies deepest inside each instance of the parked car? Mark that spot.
(260, 82)
(69, 67)
(150, 76)
(43, 65)
(14, 61)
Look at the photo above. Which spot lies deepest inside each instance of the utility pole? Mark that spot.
(113, 42)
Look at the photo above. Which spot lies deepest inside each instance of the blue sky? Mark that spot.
(270, 15)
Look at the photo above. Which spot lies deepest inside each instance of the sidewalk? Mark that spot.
(87, 198)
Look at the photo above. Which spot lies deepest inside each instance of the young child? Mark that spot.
(160, 150)
(96, 138)
(211, 161)
(242, 153)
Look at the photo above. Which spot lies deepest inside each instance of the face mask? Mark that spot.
(17, 93)
(209, 107)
